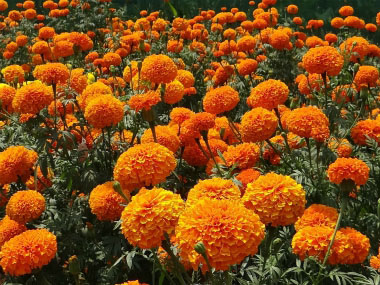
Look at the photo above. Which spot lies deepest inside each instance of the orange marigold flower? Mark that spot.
(278, 200)
(247, 176)
(331, 38)
(174, 92)
(246, 43)
(317, 215)
(32, 98)
(214, 188)
(40, 47)
(348, 169)
(356, 47)
(106, 203)
(243, 155)
(268, 94)
(337, 22)
(13, 74)
(186, 78)
(193, 155)
(25, 206)
(16, 162)
(279, 40)
(308, 122)
(28, 251)
(220, 100)
(342, 147)
(78, 81)
(104, 111)
(149, 215)
(144, 101)
(371, 27)
(202, 121)
(7, 93)
(3, 5)
(46, 33)
(136, 282)
(144, 165)
(346, 11)
(92, 91)
(179, 114)
(375, 262)
(63, 49)
(324, 59)
(158, 69)
(366, 76)
(111, 58)
(247, 66)
(228, 231)
(9, 229)
(52, 73)
(165, 135)
(292, 9)
(83, 41)
(258, 124)
(366, 128)
(359, 247)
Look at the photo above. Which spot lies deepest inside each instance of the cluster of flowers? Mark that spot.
(126, 77)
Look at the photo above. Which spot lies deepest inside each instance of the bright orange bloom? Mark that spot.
(346, 11)
(348, 169)
(258, 124)
(144, 101)
(243, 155)
(158, 69)
(93, 91)
(324, 59)
(356, 47)
(9, 229)
(174, 92)
(366, 76)
(220, 100)
(366, 128)
(13, 74)
(247, 66)
(342, 147)
(52, 73)
(268, 94)
(292, 9)
(165, 135)
(186, 78)
(317, 215)
(25, 206)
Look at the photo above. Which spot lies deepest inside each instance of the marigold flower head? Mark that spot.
(228, 230)
(366, 128)
(13, 74)
(322, 60)
(348, 169)
(342, 147)
(158, 69)
(78, 80)
(27, 251)
(144, 165)
(63, 49)
(136, 282)
(92, 91)
(52, 73)
(258, 124)
(165, 135)
(16, 162)
(292, 9)
(220, 100)
(179, 114)
(25, 206)
(214, 188)
(202, 121)
(46, 33)
(346, 11)
(144, 101)
(356, 47)
(81, 40)
(9, 229)
(313, 82)
(317, 215)
(106, 203)
(243, 155)
(279, 40)
(7, 94)
(32, 98)
(268, 94)
(193, 155)
(375, 262)
(149, 215)
(111, 58)
(278, 200)
(366, 76)
(186, 78)
(247, 66)
(337, 22)
(308, 122)
(359, 247)
(174, 92)
(104, 111)
(246, 43)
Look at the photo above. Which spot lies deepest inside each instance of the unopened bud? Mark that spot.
(200, 248)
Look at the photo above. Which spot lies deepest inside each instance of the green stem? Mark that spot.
(212, 155)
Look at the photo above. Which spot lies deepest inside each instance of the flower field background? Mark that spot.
(194, 142)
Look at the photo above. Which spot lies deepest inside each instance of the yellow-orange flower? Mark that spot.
(179, 114)
(9, 229)
(348, 169)
(16, 163)
(366, 76)
(144, 165)
(366, 128)
(25, 206)
(247, 66)
(144, 101)
(158, 69)
(13, 74)
(247, 176)
(52, 73)
(268, 94)
(342, 147)
(228, 230)
(92, 91)
(359, 247)
(322, 60)
(214, 188)
(27, 251)
(165, 135)
(7, 94)
(220, 100)
(346, 11)
(317, 215)
(174, 92)
(106, 203)
(278, 200)
(258, 124)
(186, 78)
(32, 98)
(243, 155)
(357, 47)
(104, 111)
(149, 215)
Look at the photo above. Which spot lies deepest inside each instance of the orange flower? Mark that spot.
(337, 22)
(366, 76)
(136, 282)
(346, 11)
(46, 33)
(13, 74)
(366, 128)
(32, 98)
(246, 43)
(63, 49)
(258, 124)
(317, 215)
(243, 155)
(356, 47)
(220, 100)
(106, 203)
(268, 94)
(25, 206)
(7, 94)
(278, 200)
(292, 9)
(215, 188)
(343, 93)
(15, 163)
(144, 165)
(247, 176)
(78, 81)
(228, 230)
(308, 122)
(144, 101)
(348, 169)
(247, 66)
(324, 59)
(149, 215)
(166, 136)
(279, 40)
(359, 247)
(27, 251)
(174, 92)
(111, 58)
(186, 78)
(9, 229)
(179, 114)
(52, 73)
(342, 147)
(104, 111)
(158, 69)
(202, 121)
(92, 91)
(375, 262)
